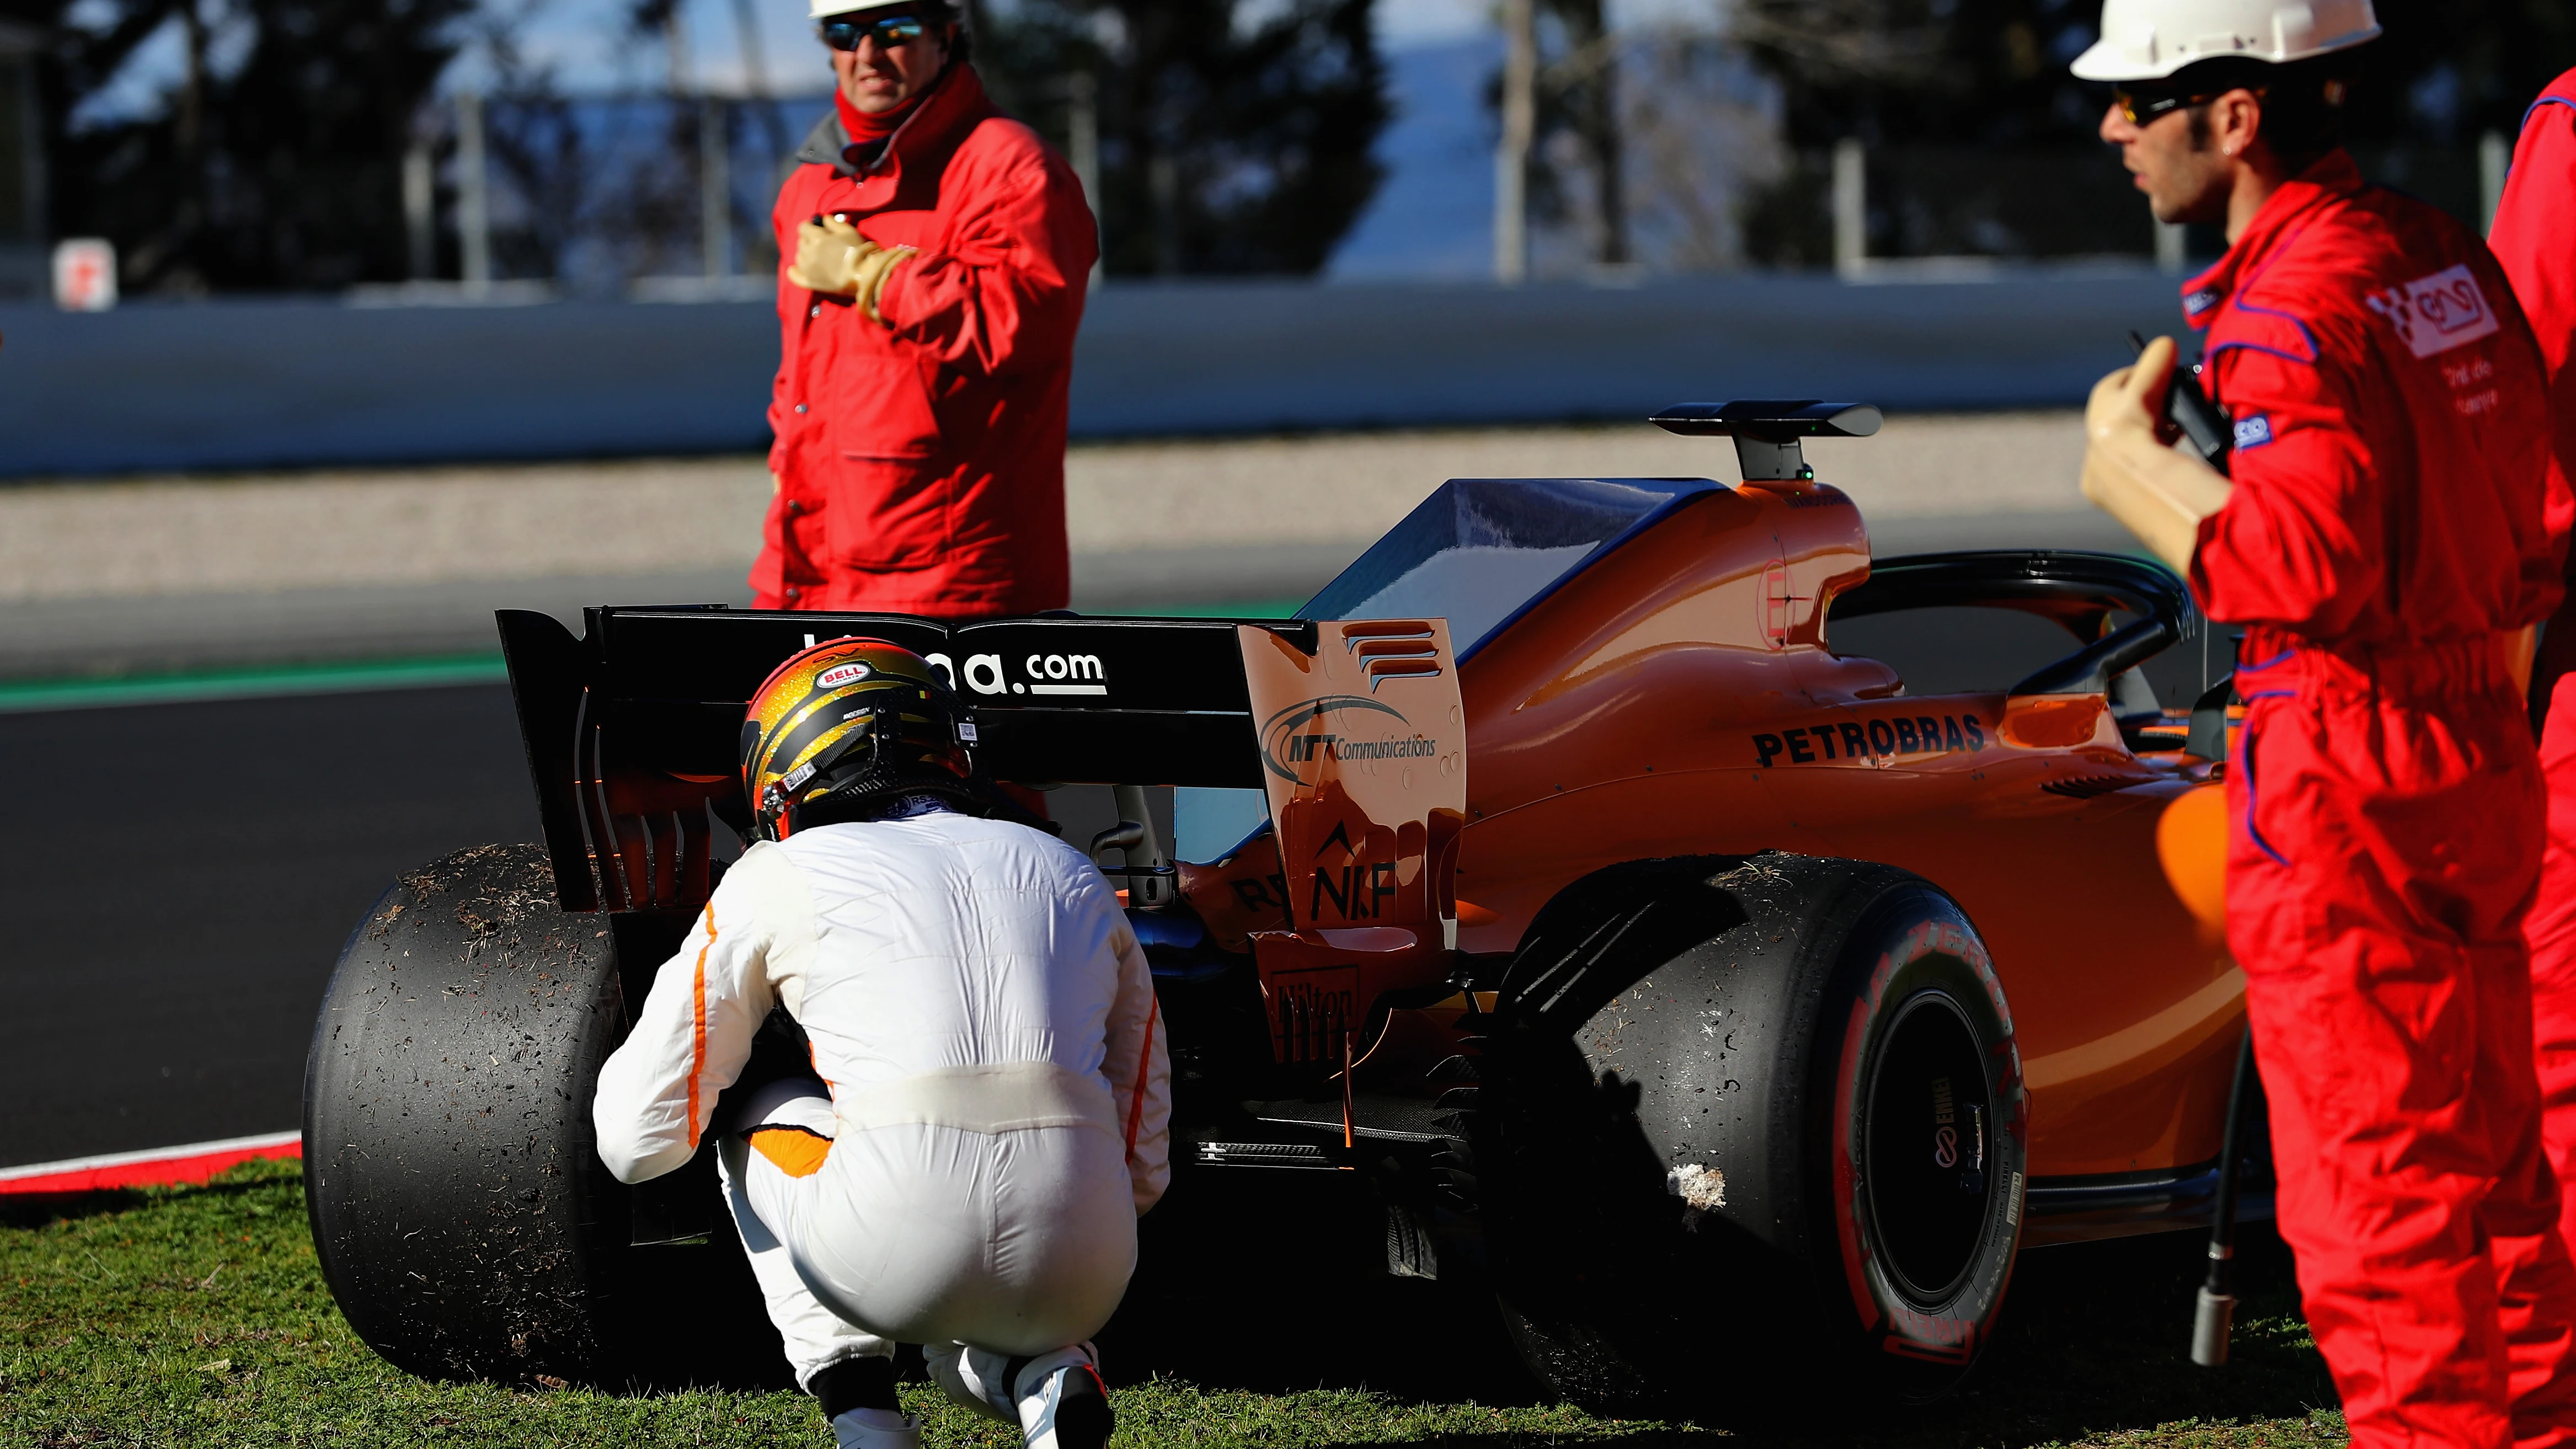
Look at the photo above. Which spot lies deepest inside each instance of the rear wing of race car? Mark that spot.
(1353, 729)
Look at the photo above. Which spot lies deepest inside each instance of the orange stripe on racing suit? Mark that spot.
(1144, 1068)
(698, 1036)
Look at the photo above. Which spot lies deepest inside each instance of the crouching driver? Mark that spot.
(989, 1114)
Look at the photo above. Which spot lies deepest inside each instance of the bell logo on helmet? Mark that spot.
(840, 674)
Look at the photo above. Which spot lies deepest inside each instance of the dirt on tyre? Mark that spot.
(1749, 1116)
(463, 1219)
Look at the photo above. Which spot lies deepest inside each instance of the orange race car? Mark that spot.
(1551, 873)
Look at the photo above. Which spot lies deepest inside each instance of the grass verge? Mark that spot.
(198, 1316)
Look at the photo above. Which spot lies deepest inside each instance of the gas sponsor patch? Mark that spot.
(1877, 738)
(2436, 313)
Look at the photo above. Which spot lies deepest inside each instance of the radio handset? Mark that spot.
(2189, 409)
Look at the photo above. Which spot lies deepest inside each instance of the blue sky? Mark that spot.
(1433, 215)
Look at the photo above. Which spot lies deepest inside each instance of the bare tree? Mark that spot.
(1578, 93)
(273, 163)
(1881, 42)
(1701, 135)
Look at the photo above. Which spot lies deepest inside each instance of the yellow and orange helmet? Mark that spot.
(846, 721)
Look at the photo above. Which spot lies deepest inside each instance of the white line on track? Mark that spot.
(263, 1142)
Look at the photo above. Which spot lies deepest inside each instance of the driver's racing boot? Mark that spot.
(875, 1429)
(1056, 1398)
(1063, 1404)
(859, 1400)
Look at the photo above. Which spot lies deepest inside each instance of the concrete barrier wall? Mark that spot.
(251, 384)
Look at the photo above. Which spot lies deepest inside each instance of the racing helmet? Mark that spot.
(2151, 39)
(848, 722)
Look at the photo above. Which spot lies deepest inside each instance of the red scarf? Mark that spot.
(867, 130)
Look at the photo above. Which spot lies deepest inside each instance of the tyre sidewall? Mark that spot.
(1908, 942)
(460, 1212)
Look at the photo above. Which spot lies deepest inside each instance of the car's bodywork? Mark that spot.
(1526, 681)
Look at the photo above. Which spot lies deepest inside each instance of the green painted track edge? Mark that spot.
(366, 675)
(251, 682)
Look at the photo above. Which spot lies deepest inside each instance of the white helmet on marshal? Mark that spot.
(821, 9)
(2151, 39)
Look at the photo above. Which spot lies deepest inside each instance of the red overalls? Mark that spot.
(921, 465)
(2386, 529)
(2535, 241)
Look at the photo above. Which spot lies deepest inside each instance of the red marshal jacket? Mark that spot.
(2393, 487)
(921, 463)
(2534, 238)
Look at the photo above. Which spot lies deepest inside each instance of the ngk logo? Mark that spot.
(1035, 674)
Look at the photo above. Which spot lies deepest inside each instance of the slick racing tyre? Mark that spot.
(457, 1202)
(463, 1218)
(1744, 1107)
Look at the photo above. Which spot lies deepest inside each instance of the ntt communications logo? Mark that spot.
(1339, 727)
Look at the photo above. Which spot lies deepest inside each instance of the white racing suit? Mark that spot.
(995, 1097)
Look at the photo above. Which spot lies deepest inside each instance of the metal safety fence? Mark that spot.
(658, 197)
(1925, 212)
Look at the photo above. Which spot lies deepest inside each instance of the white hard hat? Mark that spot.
(819, 9)
(2151, 39)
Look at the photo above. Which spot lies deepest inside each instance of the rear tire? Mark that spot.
(1750, 1108)
(462, 1216)
(455, 1192)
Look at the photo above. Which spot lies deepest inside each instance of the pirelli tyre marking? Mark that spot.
(1877, 739)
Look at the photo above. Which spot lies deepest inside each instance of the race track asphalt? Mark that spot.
(177, 880)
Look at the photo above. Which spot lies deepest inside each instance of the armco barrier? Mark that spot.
(240, 383)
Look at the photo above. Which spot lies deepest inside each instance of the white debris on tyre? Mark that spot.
(1701, 1189)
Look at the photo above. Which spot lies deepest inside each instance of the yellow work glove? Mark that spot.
(833, 259)
(2130, 471)
(828, 250)
(874, 270)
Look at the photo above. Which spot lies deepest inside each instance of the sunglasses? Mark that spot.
(2142, 107)
(888, 31)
